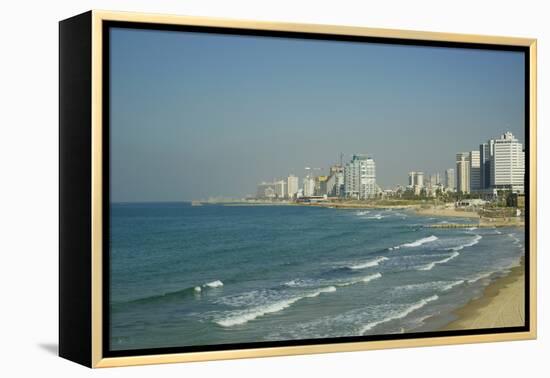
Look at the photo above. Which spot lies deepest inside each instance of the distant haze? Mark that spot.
(200, 115)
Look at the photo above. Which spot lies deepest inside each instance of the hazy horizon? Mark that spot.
(203, 115)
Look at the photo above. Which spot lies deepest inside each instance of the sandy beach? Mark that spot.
(502, 304)
(447, 212)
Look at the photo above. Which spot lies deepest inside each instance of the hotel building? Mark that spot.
(360, 178)
(463, 172)
(507, 164)
(450, 179)
(486, 151)
(475, 171)
(292, 186)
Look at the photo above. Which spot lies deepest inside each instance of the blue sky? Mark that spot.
(198, 115)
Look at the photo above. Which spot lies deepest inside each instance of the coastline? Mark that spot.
(502, 304)
(447, 212)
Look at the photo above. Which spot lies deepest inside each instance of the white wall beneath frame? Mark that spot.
(28, 156)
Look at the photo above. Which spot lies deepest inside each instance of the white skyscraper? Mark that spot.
(360, 178)
(292, 186)
(416, 181)
(450, 179)
(508, 164)
(309, 186)
(475, 171)
(463, 172)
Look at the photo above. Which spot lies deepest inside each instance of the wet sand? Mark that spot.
(502, 304)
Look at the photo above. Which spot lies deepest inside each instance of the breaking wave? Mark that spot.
(416, 243)
(431, 265)
(245, 316)
(470, 243)
(368, 264)
(400, 315)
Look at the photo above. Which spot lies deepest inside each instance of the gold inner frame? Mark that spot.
(97, 176)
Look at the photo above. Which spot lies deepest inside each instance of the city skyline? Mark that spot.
(499, 164)
(248, 109)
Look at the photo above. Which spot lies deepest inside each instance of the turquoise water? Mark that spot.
(208, 275)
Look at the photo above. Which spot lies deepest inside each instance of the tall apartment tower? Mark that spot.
(291, 186)
(475, 171)
(360, 177)
(309, 186)
(463, 172)
(416, 179)
(450, 179)
(508, 164)
(485, 154)
(335, 182)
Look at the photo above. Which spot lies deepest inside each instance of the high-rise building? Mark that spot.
(321, 185)
(270, 190)
(291, 186)
(335, 182)
(463, 172)
(485, 155)
(475, 171)
(450, 179)
(360, 177)
(416, 182)
(416, 179)
(508, 164)
(309, 186)
(437, 179)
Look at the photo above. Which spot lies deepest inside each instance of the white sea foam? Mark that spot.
(197, 289)
(369, 264)
(481, 276)
(214, 284)
(400, 315)
(294, 283)
(431, 265)
(416, 243)
(243, 317)
(515, 238)
(471, 243)
(452, 284)
(376, 216)
(429, 286)
(362, 213)
(365, 279)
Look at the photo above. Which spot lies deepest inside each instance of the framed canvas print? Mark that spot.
(235, 189)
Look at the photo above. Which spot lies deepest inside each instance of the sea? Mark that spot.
(183, 275)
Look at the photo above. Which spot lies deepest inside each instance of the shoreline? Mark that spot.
(447, 212)
(418, 209)
(502, 304)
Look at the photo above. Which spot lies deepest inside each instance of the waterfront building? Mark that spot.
(335, 182)
(292, 186)
(308, 186)
(360, 178)
(475, 171)
(463, 172)
(271, 190)
(508, 164)
(321, 185)
(450, 179)
(485, 154)
(416, 182)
